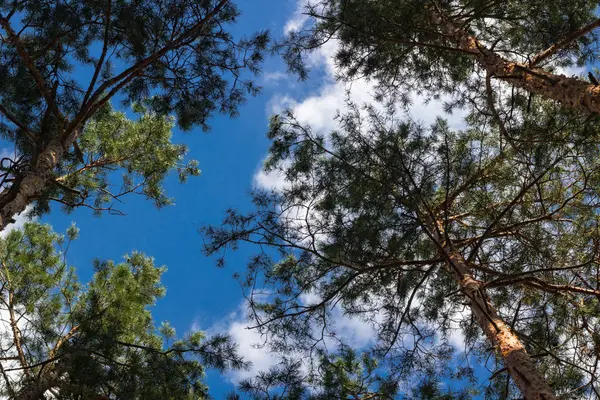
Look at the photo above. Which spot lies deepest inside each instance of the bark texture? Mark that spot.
(571, 92)
(49, 379)
(519, 364)
(15, 198)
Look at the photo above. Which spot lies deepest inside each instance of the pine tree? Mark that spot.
(436, 230)
(67, 340)
(62, 62)
(453, 47)
(140, 149)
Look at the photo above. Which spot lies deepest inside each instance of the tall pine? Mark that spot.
(422, 231)
(62, 62)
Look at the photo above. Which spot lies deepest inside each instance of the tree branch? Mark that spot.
(550, 51)
(30, 65)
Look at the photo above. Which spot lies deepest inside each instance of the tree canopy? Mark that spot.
(452, 47)
(436, 230)
(69, 340)
(489, 229)
(62, 62)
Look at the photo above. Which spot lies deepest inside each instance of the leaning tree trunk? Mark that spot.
(35, 390)
(14, 199)
(571, 92)
(50, 377)
(519, 364)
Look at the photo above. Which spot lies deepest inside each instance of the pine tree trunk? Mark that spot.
(14, 199)
(50, 377)
(37, 389)
(571, 92)
(516, 360)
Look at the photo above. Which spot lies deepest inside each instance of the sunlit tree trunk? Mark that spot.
(519, 364)
(14, 199)
(571, 92)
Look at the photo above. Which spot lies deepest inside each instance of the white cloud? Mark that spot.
(274, 76)
(251, 344)
(456, 337)
(254, 349)
(571, 71)
(350, 330)
(298, 19)
(273, 180)
(319, 109)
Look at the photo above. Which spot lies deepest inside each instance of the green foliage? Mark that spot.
(342, 376)
(99, 340)
(141, 150)
(352, 229)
